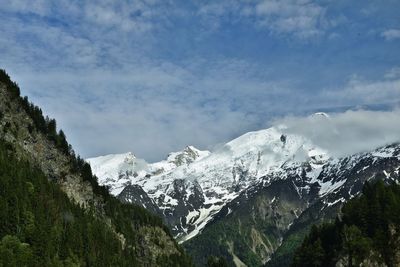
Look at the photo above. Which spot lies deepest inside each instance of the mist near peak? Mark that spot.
(346, 133)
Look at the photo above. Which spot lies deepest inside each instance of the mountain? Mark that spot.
(116, 171)
(252, 200)
(269, 220)
(53, 212)
(191, 186)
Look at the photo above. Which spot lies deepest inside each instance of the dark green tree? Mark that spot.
(369, 229)
(214, 261)
(355, 245)
(14, 253)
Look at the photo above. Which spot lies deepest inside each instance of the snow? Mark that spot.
(238, 164)
(192, 214)
(229, 211)
(204, 219)
(384, 152)
(342, 199)
(329, 187)
(386, 174)
(320, 114)
(224, 173)
(363, 169)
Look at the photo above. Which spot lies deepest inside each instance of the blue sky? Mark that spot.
(152, 76)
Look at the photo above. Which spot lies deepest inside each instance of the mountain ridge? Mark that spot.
(216, 178)
(34, 139)
(267, 221)
(195, 197)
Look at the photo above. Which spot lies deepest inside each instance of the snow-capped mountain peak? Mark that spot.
(120, 170)
(191, 185)
(186, 156)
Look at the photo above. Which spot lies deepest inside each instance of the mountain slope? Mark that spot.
(43, 209)
(248, 230)
(269, 220)
(380, 164)
(365, 234)
(54, 230)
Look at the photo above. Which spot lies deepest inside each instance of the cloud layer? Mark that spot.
(153, 76)
(349, 132)
(391, 34)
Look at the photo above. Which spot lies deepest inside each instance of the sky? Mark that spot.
(153, 76)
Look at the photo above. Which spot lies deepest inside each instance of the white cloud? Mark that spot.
(128, 16)
(119, 94)
(40, 7)
(298, 18)
(364, 92)
(391, 34)
(393, 73)
(131, 16)
(348, 133)
(151, 110)
(301, 18)
(156, 107)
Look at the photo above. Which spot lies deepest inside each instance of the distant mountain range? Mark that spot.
(253, 199)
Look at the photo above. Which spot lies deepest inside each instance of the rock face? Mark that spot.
(17, 128)
(136, 195)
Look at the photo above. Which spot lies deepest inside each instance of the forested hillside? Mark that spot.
(366, 233)
(52, 210)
